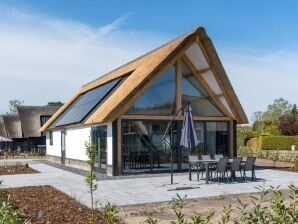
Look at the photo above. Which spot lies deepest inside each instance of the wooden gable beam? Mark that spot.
(202, 71)
(206, 86)
(170, 60)
(216, 70)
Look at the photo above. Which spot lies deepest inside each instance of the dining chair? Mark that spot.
(193, 161)
(234, 167)
(222, 169)
(218, 156)
(206, 157)
(249, 166)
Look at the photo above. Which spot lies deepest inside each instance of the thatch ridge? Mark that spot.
(144, 70)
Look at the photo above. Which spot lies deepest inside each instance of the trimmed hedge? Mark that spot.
(277, 142)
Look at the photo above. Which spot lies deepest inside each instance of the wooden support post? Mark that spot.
(119, 147)
(232, 139)
(178, 87)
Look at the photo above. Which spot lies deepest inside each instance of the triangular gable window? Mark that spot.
(194, 93)
(159, 98)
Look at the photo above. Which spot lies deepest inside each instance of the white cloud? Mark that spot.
(260, 77)
(44, 58)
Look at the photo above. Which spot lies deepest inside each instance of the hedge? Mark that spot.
(277, 142)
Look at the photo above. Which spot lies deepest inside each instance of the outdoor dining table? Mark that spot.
(207, 164)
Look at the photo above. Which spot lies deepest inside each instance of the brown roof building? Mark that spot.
(126, 112)
(24, 127)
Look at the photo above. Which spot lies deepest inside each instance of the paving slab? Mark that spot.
(131, 191)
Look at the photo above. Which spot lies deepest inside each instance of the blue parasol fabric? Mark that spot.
(188, 134)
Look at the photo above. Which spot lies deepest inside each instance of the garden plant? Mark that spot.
(270, 206)
(91, 153)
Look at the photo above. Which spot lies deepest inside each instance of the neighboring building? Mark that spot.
(2, 128)
(23, 128)
(126, 112)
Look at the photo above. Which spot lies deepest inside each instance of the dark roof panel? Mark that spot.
(85, 103)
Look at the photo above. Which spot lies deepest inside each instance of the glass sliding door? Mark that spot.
(217, 138)
(99, 138)
(161, 151)
(136, 143)
(143, 149)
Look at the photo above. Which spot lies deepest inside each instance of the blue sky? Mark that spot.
(64, 44)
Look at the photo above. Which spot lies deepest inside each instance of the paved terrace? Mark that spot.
(139, 190)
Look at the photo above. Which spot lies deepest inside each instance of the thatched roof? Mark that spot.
(30, 118)
(196, 46)
(13, 126)
(2, 128)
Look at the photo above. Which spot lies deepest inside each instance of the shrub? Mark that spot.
(242, 137)
(9, 215)
(295, 164)
(270, 206)
(288, 124)
(151, 220)
(110, 213)
(277, 142)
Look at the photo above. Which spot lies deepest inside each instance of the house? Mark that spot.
(23, 128)
(125, 112)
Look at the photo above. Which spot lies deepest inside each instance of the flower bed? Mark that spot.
(16, 169)
(45, 204)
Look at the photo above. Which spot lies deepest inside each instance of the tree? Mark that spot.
(294, 111)
(274, 111)
(288, 124)
(55, 103)
(12, 106)
(91, 153)
(257, 118)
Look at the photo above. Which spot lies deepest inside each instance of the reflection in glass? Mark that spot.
(143, 148)
(99, 138)
(144, 151)
(216, 138)
(194, 93)
(159, 98)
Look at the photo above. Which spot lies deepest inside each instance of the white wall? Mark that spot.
(109, 144)
(75, 143)
(55, 149)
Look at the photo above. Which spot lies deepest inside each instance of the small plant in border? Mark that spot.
(110, 213)
(91, 153)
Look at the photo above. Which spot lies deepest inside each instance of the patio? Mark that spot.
(133, 190)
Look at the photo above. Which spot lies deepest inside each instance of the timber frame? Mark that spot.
(195, 50)
(145, 70)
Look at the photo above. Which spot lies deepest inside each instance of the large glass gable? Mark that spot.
(159, 98)
(194, 93)
(85, 103)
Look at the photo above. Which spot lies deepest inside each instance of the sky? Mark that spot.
(50, 48)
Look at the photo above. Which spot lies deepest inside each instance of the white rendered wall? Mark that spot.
(75, 143)
(109, 144)
(55, 149)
